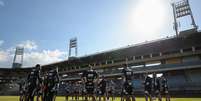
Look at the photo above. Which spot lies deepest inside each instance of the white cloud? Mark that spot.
(5, 59)
(31, 57)
(28, 44)
(1, 42)
(2, 3)
(3, 56)
(44, 57)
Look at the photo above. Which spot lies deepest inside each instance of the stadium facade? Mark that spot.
(177, 58)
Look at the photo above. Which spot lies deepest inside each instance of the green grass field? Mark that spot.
(16, 98)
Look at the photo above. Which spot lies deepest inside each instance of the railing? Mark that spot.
(159, 68)
(138, 61)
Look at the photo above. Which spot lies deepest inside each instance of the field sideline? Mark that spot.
(16, 98)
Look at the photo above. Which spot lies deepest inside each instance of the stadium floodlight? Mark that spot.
(19, 52)
(72, 44)
(182, 9)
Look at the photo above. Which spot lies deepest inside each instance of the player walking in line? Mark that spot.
(156, 87)
(51, 84)
(164, 86)
(34, 82)
(67, 91)
(76, 91)
(90, 78)
(148, 88)
(110, 90)
(127, 86)
(102, 89)
(22, 90)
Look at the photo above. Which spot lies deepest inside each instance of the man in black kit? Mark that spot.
(156, 86)
(90, 77)
(51, 85)
(22, 90)
(164, 86)
(127, 86)
(102, 89)
(33, 83)
(111, 90)
(67, 90)
(148, 87)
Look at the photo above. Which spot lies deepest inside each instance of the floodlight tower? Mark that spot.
(72, 45)
(18, 57)
(181, 9)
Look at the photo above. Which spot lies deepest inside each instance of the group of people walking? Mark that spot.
(97, 88)
(92, 86)
(44, 87)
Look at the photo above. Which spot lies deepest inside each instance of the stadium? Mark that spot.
(177, 58)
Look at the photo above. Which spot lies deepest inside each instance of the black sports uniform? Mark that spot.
(102, 85)
(127, 74)
(33, 82)
(148, 85)
(156, 85)
(127, 86)
(164, 85)
(90, 76)
(51, 85)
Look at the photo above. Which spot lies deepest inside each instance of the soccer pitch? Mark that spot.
(16, 98)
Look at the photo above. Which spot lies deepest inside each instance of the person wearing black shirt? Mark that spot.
(22, 90)
(67, 91)
(127, 85)
(164, 86)
(110, 90)
(102, 89)
(90, 77)
(148, 88)
(76, 91)
(156, 87)
(33, 83)
(51, 85)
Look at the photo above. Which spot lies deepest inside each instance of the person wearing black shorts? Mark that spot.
(164, 86)
(67, 91)
(51, 84)
(102, 89)
(148, 88)
(90, 77)
(22, 90)
(127, 85)
(34, 82)
(110, 90)
(156, 87)
(76, 91)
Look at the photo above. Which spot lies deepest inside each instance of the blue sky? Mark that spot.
(44, 27)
